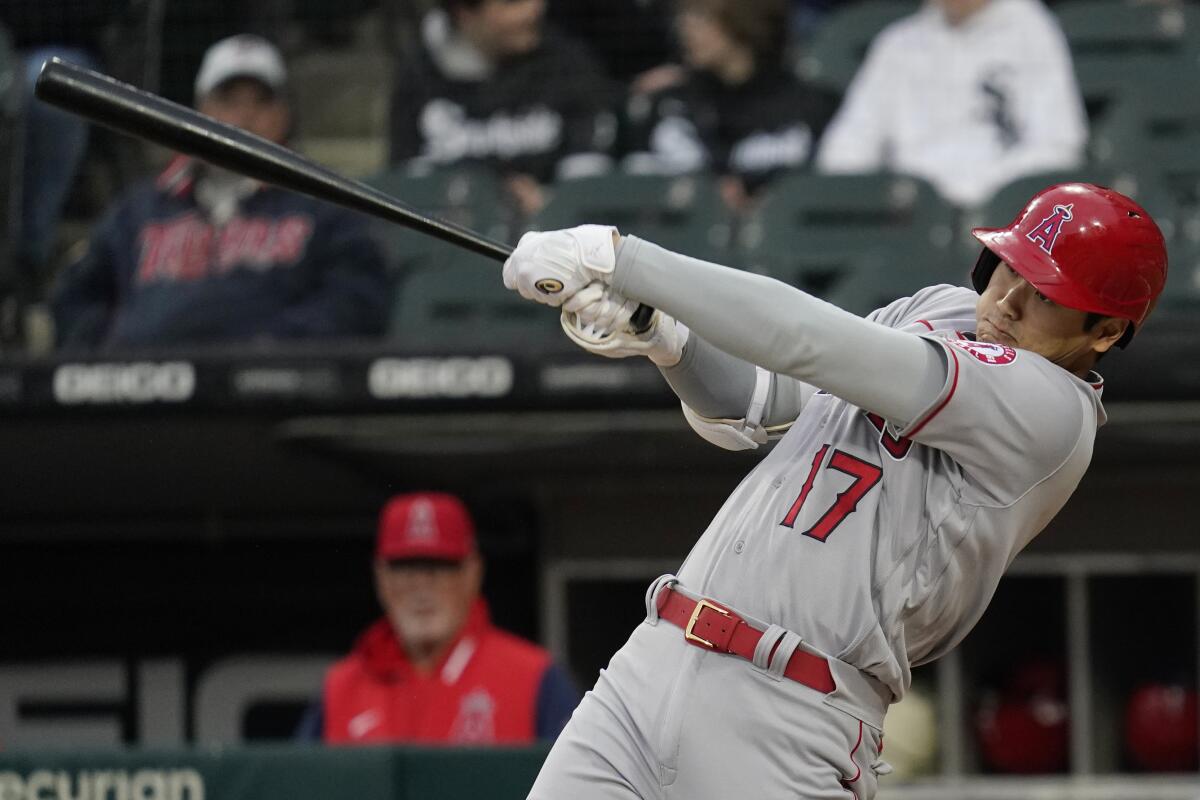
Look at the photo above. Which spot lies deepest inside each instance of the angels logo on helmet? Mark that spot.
(1047, 231)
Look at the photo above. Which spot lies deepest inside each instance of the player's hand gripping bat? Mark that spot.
(127, 109)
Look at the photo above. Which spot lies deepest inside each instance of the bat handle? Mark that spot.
(640, 321)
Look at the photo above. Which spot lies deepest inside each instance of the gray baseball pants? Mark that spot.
(670, 721)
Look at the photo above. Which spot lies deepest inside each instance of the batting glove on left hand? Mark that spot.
(549, 268)
(598, 320)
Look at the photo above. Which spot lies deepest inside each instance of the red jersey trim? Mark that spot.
(926, 323)
(949, 395)
(847, 781)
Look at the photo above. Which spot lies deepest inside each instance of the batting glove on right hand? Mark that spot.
(598, 319)
(549, 268)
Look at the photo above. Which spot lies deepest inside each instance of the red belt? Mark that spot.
(710, 626)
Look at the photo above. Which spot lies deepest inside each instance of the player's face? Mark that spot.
(1012, 311)
(427, 602)
(504, 27)
(251, 106)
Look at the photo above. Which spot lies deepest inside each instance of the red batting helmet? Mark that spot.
(1161, 727)
(1084, 247)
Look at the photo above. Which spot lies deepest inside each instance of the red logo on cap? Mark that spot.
(425, 525)
(987, 352)
(1047, 231)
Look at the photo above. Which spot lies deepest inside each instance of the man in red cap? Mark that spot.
(434, 668)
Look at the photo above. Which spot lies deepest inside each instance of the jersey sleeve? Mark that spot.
(1010, 418)
(943, 303)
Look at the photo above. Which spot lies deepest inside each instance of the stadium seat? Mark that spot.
(864, 281)
(836, 50)
(470, 197)
(812, 229)
(1182, 292)
(465, 306)
(683, 213)
(1159, 131)
(1120, 46)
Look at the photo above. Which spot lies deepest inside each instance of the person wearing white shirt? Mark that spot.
(967, 94)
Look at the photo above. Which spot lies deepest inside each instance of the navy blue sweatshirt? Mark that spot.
(159, 273)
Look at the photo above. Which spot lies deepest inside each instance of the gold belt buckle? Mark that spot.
(700, 606)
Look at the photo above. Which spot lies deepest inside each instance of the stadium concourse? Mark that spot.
(188, 520)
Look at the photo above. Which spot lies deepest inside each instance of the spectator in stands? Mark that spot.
(968, 94)
(204, 255)
(54, 142)
(736, 112)
(434, 668)
(492, 83)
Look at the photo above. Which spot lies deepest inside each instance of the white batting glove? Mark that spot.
(549, 268)
(598, 319)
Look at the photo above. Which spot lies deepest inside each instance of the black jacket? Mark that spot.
(755, 130)
(529, 114)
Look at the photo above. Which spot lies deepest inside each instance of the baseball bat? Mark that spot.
(127, 109)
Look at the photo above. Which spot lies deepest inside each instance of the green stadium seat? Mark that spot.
(811, 230)
(836, 50)
(1182, 292)
(465, 306)
(1121, 46)
(683, 213)
(468, 196)
(864, 281)
(1159, 131)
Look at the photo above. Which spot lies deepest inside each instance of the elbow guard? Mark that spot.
(739, 434)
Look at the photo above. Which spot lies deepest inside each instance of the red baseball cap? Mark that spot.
(425, 525)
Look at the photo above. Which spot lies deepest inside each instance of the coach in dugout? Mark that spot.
(202, 255)
(433, 668)
(492, 83)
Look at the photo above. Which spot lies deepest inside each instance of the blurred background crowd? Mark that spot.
(842, 146)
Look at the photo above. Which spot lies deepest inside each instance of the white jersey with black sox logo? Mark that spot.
(881, 546)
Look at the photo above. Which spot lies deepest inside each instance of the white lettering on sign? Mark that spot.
(395, 378)
(224, 694)
(135, 383)
(144, 784)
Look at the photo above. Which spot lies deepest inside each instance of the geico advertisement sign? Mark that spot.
(396, 378)
(138, 382)
(155, 694)
(142, 784)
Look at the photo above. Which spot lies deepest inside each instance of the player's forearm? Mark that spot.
(717, 385)
(712, 383)
(766, 322)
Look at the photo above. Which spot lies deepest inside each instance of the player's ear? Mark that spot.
(1108, 331)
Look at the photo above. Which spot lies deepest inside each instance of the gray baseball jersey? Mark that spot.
(876, 530)
(884, 544)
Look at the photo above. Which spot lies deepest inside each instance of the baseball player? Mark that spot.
(916, 452)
